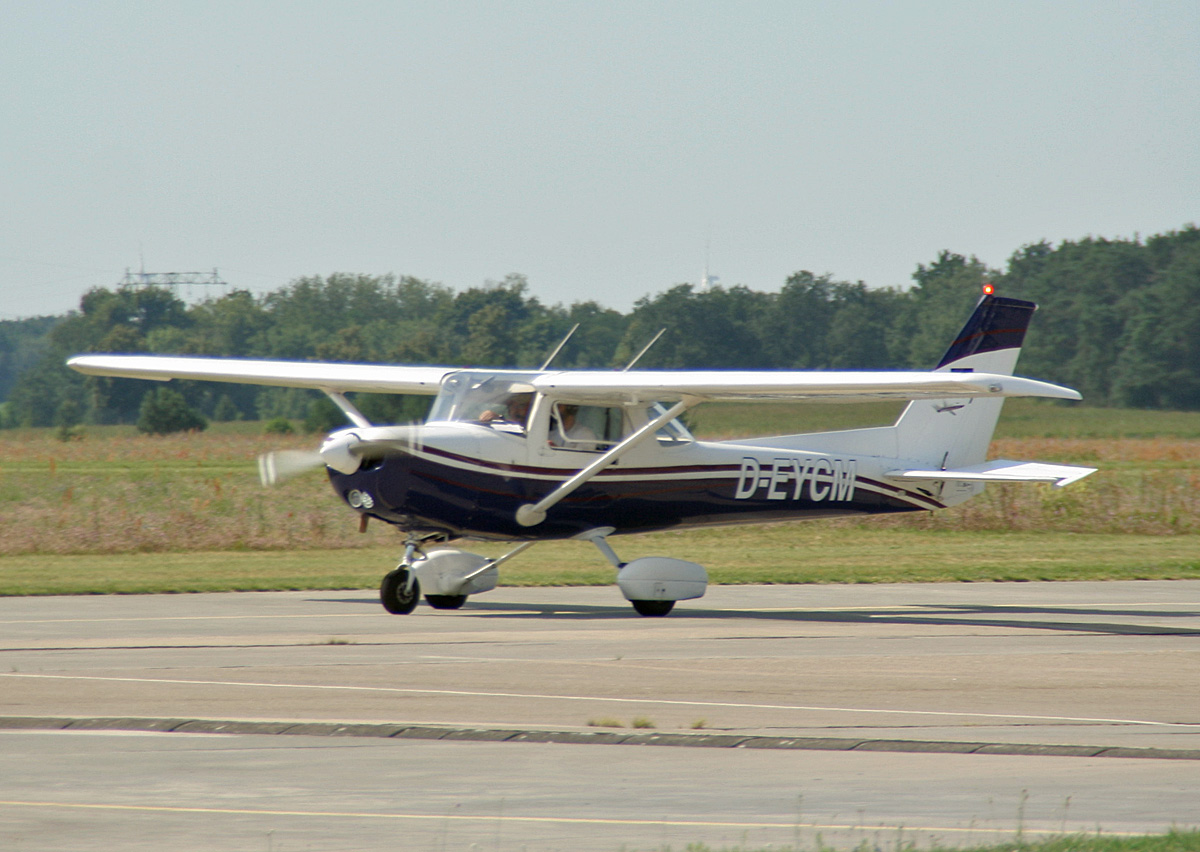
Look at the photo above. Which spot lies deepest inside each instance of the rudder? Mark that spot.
(952, 433)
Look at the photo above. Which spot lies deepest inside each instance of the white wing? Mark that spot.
(370, 378)
(634, 386)
(844, 386)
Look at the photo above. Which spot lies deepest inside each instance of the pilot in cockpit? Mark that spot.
(515, 410)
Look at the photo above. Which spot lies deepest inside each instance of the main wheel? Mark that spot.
(654, 609)
(395, 594)
(445, 601)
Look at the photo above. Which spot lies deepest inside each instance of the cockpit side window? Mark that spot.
(586, 428)
(673, 432)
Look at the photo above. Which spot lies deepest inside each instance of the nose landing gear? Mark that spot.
(400, 590)
(449, 576)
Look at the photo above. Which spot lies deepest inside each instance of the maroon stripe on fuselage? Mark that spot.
(886, 488)
(568, 472)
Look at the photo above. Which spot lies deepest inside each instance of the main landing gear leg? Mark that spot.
(651, 608)
(652, 584)
(399, 592)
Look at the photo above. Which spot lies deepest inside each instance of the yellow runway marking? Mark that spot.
(965, 606)
(931, 607)
(544, 820)
(598, 698)
(140, 619)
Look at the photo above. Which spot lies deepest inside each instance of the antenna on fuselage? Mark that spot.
(559, 347)
(645, 349)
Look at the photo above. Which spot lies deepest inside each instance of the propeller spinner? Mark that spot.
(343, 451)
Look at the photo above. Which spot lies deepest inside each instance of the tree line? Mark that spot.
(1119, 320)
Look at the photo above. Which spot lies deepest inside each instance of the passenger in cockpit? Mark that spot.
(567, 431)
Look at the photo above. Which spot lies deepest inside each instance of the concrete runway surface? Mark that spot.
(955, 713)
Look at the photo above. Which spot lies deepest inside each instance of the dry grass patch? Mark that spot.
(191, 496)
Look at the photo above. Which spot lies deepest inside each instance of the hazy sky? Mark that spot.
(599, 148)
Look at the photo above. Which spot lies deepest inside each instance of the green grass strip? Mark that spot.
(791, 553)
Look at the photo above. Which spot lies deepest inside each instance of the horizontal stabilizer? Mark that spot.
(1001, 470)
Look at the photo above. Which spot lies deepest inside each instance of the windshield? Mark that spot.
(483, 397)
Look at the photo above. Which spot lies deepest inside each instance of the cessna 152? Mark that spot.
(525, 456)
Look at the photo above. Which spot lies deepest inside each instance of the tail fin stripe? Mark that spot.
(997, 323)
(1006, 338)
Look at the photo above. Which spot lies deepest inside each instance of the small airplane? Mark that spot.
(526, 456)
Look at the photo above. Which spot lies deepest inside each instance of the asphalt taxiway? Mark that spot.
(558, 719)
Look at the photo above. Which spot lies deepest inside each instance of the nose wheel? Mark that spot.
(399, 592)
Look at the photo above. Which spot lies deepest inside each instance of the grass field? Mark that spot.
(788, 553)
(118, 511)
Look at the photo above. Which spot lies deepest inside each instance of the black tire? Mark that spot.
(445, 601)
(653, 609)
(394, 594)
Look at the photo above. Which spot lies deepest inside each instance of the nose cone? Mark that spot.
(338, 451)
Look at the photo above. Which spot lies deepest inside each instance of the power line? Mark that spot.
(143, 280)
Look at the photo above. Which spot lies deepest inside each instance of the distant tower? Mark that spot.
(144, 280)
(709, 280)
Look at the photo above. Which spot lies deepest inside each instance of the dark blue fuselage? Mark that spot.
(428, 495)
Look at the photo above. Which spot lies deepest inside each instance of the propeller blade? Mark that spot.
(342, 450)
(280, 465)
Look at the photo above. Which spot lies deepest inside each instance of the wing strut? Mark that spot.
(348, 408)
(532, 514)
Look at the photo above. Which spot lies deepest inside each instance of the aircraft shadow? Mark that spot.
(943, 615)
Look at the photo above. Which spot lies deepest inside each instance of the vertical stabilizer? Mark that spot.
(991, 340)
(954, 433)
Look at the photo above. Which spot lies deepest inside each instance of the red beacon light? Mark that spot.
(989, 289)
